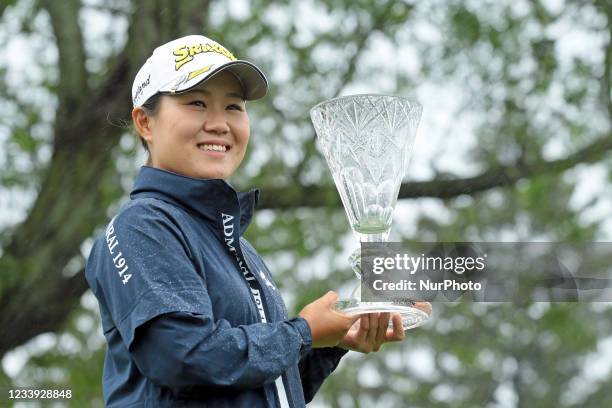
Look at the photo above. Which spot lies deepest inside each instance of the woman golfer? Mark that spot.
(189, 309)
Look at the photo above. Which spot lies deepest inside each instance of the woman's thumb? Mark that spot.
(331, 296)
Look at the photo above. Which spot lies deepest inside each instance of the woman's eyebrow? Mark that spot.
(235, 95)
(229, 94)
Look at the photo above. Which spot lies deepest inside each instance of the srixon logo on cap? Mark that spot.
(142, 86)
(185, 53)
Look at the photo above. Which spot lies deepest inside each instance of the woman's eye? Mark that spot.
(198, 103)
(236, 107)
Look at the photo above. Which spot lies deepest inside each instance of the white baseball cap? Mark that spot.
(186, 62)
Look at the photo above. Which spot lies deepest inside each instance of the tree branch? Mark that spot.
(71, 61)
(502, 176)
(39, 314)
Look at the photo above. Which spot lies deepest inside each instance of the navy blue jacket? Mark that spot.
(182, 298)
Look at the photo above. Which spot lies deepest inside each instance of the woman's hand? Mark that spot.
(327, 325)
(372, 330)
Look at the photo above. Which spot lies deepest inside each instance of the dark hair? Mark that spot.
(150, 107)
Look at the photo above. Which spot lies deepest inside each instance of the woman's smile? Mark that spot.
(214, 148)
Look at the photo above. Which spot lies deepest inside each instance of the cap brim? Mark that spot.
(252, 80)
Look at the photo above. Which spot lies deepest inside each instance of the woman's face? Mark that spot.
(202, 133)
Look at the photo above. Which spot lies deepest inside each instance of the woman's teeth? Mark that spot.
(215, 148)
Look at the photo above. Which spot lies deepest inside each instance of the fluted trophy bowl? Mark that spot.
(367, 142)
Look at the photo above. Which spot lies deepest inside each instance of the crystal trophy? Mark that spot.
(367, 142)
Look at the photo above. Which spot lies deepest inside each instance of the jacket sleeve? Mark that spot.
(315, 366)
(165, 316)
(172, 351)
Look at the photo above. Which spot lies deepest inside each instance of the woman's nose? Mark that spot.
(215, 122)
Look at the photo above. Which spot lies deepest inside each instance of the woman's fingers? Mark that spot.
(371, 337)
(424, 306)
(364, 325)
(397, 333)
(373, 331)
(383, 324)
(365, 322)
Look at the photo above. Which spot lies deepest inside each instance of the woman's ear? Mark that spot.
(142, 123)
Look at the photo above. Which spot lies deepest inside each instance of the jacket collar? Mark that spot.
(207, 197)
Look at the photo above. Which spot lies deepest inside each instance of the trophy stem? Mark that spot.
(355, 262)
(355, 257)
(412, 316)
(382, 236)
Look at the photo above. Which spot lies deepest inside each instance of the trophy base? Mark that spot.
(411, 315)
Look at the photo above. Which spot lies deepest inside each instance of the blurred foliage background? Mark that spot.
(513, 146)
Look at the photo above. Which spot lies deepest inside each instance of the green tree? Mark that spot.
(538, 119)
